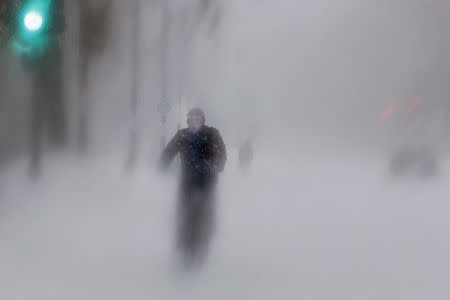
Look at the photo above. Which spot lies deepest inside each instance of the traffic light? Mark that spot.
(38, 24)
(33, 21)
(33, 18)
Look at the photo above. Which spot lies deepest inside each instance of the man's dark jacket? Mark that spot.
(203, 155)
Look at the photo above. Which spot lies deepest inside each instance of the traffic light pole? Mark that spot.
(36, 127)
(43, 64)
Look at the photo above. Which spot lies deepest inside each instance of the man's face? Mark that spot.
(195, 123)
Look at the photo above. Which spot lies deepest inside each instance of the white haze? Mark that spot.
(316, 216)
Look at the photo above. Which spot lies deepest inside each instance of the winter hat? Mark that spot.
(196, 112)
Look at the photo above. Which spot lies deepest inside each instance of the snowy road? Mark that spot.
(309, 229)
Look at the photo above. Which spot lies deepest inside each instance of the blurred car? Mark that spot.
(418, 161)
(417, 129)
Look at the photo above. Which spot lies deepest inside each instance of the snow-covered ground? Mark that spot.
(314, 228)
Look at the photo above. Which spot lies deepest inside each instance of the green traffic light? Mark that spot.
(33, 21)
(33, 18)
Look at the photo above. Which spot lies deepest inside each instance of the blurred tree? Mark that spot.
(211, 10)
(95, 34)
(135, 86)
